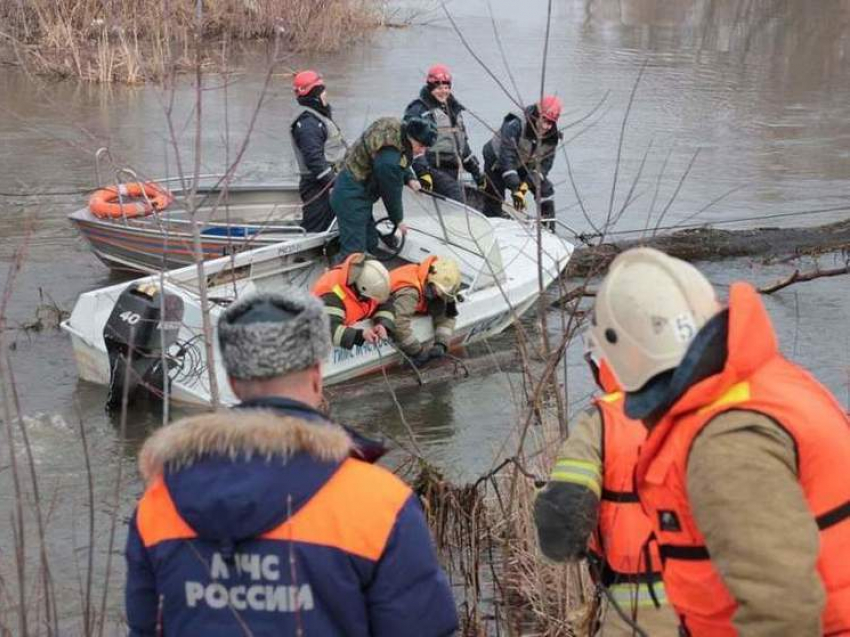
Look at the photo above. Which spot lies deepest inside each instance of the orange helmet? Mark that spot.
(306, 81)
(439, 73)
(550, 108)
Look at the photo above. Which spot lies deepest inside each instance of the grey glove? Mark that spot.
(437, 351)
(421, 358)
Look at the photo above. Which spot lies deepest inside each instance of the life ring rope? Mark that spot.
(110, 202)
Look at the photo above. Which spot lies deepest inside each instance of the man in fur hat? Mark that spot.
(269, 519)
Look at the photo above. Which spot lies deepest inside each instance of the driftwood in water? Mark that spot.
(799, 277)
(706, 244)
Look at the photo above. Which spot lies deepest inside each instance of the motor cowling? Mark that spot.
(144, 322)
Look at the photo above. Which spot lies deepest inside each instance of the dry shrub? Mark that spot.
(130, 41)
(554, 600)
(485, 532)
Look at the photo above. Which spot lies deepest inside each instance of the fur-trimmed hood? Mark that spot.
(240, 435)
(237, 474)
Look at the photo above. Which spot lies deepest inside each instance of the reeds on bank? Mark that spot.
(132, 42)
(488, 543)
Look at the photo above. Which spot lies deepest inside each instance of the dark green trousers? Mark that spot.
(352, 203)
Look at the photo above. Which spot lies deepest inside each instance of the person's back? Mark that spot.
(267, 519)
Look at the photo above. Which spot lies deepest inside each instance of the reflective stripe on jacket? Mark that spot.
(413, 276)
(758, 379)
(624, 530)
(335, 281)
(334, 145)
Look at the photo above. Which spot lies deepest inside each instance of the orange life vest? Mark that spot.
(332, 517)
(624, 531)
(755, 378)
(335, 281)
(413, 276)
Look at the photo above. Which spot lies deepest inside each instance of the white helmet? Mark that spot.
(372, 280)
(648, 310)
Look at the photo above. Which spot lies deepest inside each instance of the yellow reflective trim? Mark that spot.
(337, 289)
(338, 334)
(735, 394)
(385, 314)
(576, 478)
(612, 397)
(583, 466)
(336, 311)
(629, 595)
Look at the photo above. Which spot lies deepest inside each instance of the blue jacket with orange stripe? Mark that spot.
(266, 521)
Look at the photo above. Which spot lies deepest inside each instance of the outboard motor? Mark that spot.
(132, 334)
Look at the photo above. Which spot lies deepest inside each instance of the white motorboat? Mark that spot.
(501, 265)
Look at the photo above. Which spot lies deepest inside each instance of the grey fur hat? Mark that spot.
(266, 335)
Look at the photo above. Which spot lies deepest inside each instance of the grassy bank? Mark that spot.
(128, 41)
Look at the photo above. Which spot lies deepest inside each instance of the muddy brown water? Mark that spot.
(760, 88)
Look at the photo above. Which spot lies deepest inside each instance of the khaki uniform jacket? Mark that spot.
(405, 301)
(742, 459)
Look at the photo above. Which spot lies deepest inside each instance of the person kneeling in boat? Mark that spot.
(377, 166)
(270, 519)
(519, 157)
(428, 288)
(356, 290)
(319, 150)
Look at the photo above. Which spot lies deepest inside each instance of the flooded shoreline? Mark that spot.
(760, 89)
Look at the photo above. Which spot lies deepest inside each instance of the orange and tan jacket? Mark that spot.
(407, 285)
(413, 276)
(757, 380)
(345, 308)
(335, 281)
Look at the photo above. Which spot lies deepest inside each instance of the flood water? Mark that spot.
(758, 89)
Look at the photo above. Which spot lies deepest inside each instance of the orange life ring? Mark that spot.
(106, 202)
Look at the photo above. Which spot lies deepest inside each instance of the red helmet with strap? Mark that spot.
(306, 81)
(550, 108)
(439, 73)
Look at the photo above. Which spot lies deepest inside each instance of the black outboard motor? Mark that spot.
(132, 334)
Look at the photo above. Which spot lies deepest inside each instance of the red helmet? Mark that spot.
(550, 108)
(439, 73)
(306, 81)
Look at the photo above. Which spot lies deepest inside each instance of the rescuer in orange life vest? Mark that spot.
(269, 519)
(428, 288)
(355, 290)
(744, 472)
(590, 499)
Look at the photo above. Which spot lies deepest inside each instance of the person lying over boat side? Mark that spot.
(355, 290)
(427, 288)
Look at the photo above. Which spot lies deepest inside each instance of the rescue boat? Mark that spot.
(148, 335)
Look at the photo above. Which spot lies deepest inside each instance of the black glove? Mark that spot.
(565, 515)
(421, 358)
(437, 351)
